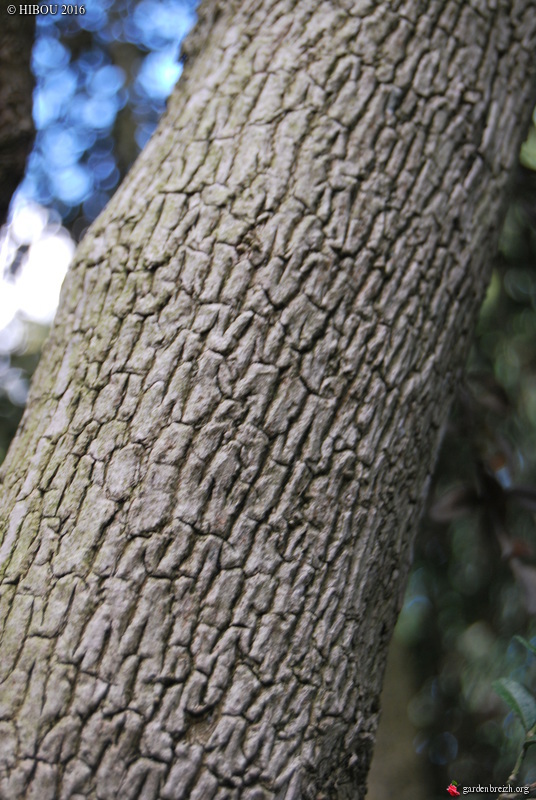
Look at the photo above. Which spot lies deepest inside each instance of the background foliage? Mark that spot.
(101, 84)
(473, 583)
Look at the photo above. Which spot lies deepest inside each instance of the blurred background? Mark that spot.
(101, 83)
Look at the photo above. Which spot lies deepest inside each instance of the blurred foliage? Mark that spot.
(102, 81)
(17, 365)
(473, 583)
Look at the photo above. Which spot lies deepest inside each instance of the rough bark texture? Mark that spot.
(209, 507)
(16, 86)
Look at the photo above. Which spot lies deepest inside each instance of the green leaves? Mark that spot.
(518, 699)
(530, 647)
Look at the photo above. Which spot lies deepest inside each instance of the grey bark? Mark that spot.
(208, 510)
(16, 86)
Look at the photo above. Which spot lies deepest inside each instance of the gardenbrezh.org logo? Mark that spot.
(453, 790)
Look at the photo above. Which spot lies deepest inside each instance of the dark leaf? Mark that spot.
(455, 503)
(518, 699)
(528, 645)
(524, 496)
(488, 393)
(525, 575)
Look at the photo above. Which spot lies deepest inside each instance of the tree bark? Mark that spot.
(16, 86)
(208, 510)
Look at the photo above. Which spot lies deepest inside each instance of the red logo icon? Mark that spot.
(452, 790)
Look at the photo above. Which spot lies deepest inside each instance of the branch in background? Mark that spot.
(16, 87)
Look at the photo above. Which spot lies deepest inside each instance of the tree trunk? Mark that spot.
(16, 85)
(208, 509)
